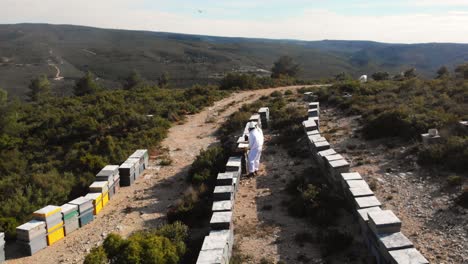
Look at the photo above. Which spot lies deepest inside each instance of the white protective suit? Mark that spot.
(255, 146)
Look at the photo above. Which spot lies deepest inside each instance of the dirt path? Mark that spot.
(144, 204)
(264, 231)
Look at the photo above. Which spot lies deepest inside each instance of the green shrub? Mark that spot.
(96, 256)
(452, 154)
(389, 124)
(163, 245)
(288, 92)
(207, 165)
(50, 150)
(276, 94)
(454, 180)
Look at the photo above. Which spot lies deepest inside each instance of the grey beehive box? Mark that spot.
(365, 202)
(222, 206)
(407, 256)
(221, 220)
(384, 222)
(222, 193)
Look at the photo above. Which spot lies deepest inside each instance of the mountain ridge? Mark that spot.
(28, 50)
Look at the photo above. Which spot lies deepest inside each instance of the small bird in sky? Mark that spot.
(200, 11)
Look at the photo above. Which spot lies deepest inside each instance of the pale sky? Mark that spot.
(400, 21)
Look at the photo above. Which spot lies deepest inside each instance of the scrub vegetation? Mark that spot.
(407, 108)
(51, 148)
(165, 245)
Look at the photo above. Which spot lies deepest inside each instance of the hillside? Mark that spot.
(27, 50)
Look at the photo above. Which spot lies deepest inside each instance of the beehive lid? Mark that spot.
(263, 110)
(94, 196)
(33, 224)
(327, 152)
(68, 208)
(79, 201)
(139, 153)
(103, 185)
(127, 165)
(334, 157)
(132, 161)
(364, 212)
(339, 163)
(47, 211)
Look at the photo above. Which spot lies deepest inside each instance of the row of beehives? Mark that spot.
(217, 245)
(380, 228)
(52, 223)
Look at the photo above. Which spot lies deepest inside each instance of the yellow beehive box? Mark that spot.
(47, 211)
(56, 233)
(97, 201)
(105, 199)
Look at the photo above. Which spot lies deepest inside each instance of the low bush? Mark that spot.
(454, 180)
(163, 245)
(451, 154)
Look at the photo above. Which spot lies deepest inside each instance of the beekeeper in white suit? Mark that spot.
(255, 148)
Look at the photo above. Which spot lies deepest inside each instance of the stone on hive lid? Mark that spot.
(365, 202)
(384, 222)
(407, 256)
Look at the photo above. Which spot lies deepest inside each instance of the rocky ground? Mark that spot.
(144, 205)
(421, 198)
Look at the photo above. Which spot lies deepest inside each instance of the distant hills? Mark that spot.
(28, 50)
